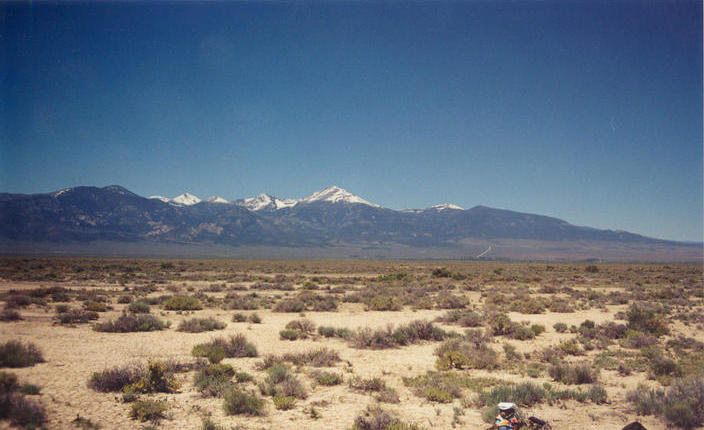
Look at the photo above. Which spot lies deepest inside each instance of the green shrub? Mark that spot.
(375, 418)
(30, 389)
(239, 317)
(16, 354)
(240, 403)
(383, 303)
(291, 335)
(234, 346)
(148, 410)
(459, 354)
(254, 318)
(367, 384)
(182, 303)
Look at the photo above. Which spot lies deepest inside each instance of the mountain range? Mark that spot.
(329, 223)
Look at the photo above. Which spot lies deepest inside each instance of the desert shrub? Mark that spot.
(463, 318)
(240, 403)
(214, 380)
(290, 305)
(127, 323)
(441, 272)
(644, 319)
(591, 269)
(526, 393)
(573, 374)
(156, 379)
(638, 340)
(284, 403)
(537, 329)
(182, 303)
(197, 325)
(291, 335)
(93, 306)
(682, 404)
(148, 410)
(435, 386)
(460, 353)
(234, 346)
(21, 411)
(366, 384)
(16, 354)
(413, 332)
(559, 305)
(451, 301)
(8, 382)
(214, 353)
(319, 357)
(281, 382)
(304, 325)
(569, 347)
(139, 307)
(30, 389)
(383, 303)
(326, 378)
(388, 395)
(14, 301)
(374, 418)
(10, 315)
(254, 318)
(73, 316)
(239, 317)
(116, 378)
(125, 299)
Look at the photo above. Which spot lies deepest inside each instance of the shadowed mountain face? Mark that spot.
(85, 214)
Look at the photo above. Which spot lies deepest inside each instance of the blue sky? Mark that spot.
(590, 111)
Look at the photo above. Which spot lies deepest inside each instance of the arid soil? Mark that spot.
(598, 304)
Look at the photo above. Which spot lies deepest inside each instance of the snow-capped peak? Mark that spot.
(446, 206)
(336, 194)
(268, 202)
(186, 199)
(216, 199)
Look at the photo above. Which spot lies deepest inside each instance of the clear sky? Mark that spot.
(590, 111)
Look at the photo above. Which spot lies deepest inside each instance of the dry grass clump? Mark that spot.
(197, 325)
(462, 353)
(8, 314)
(306, 301)
(367, 384)
(16, 354)
(127, 323)
(326, 378)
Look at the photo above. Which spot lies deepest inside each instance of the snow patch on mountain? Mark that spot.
(336, 194)
(216, 199)
(162, 198)
(446, 206)
(60, 192)
(267, 202)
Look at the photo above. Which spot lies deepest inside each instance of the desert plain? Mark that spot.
(244, 344)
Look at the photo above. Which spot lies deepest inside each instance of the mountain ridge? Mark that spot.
(330, 217)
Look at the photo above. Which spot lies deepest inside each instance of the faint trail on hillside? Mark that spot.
(483, 253)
